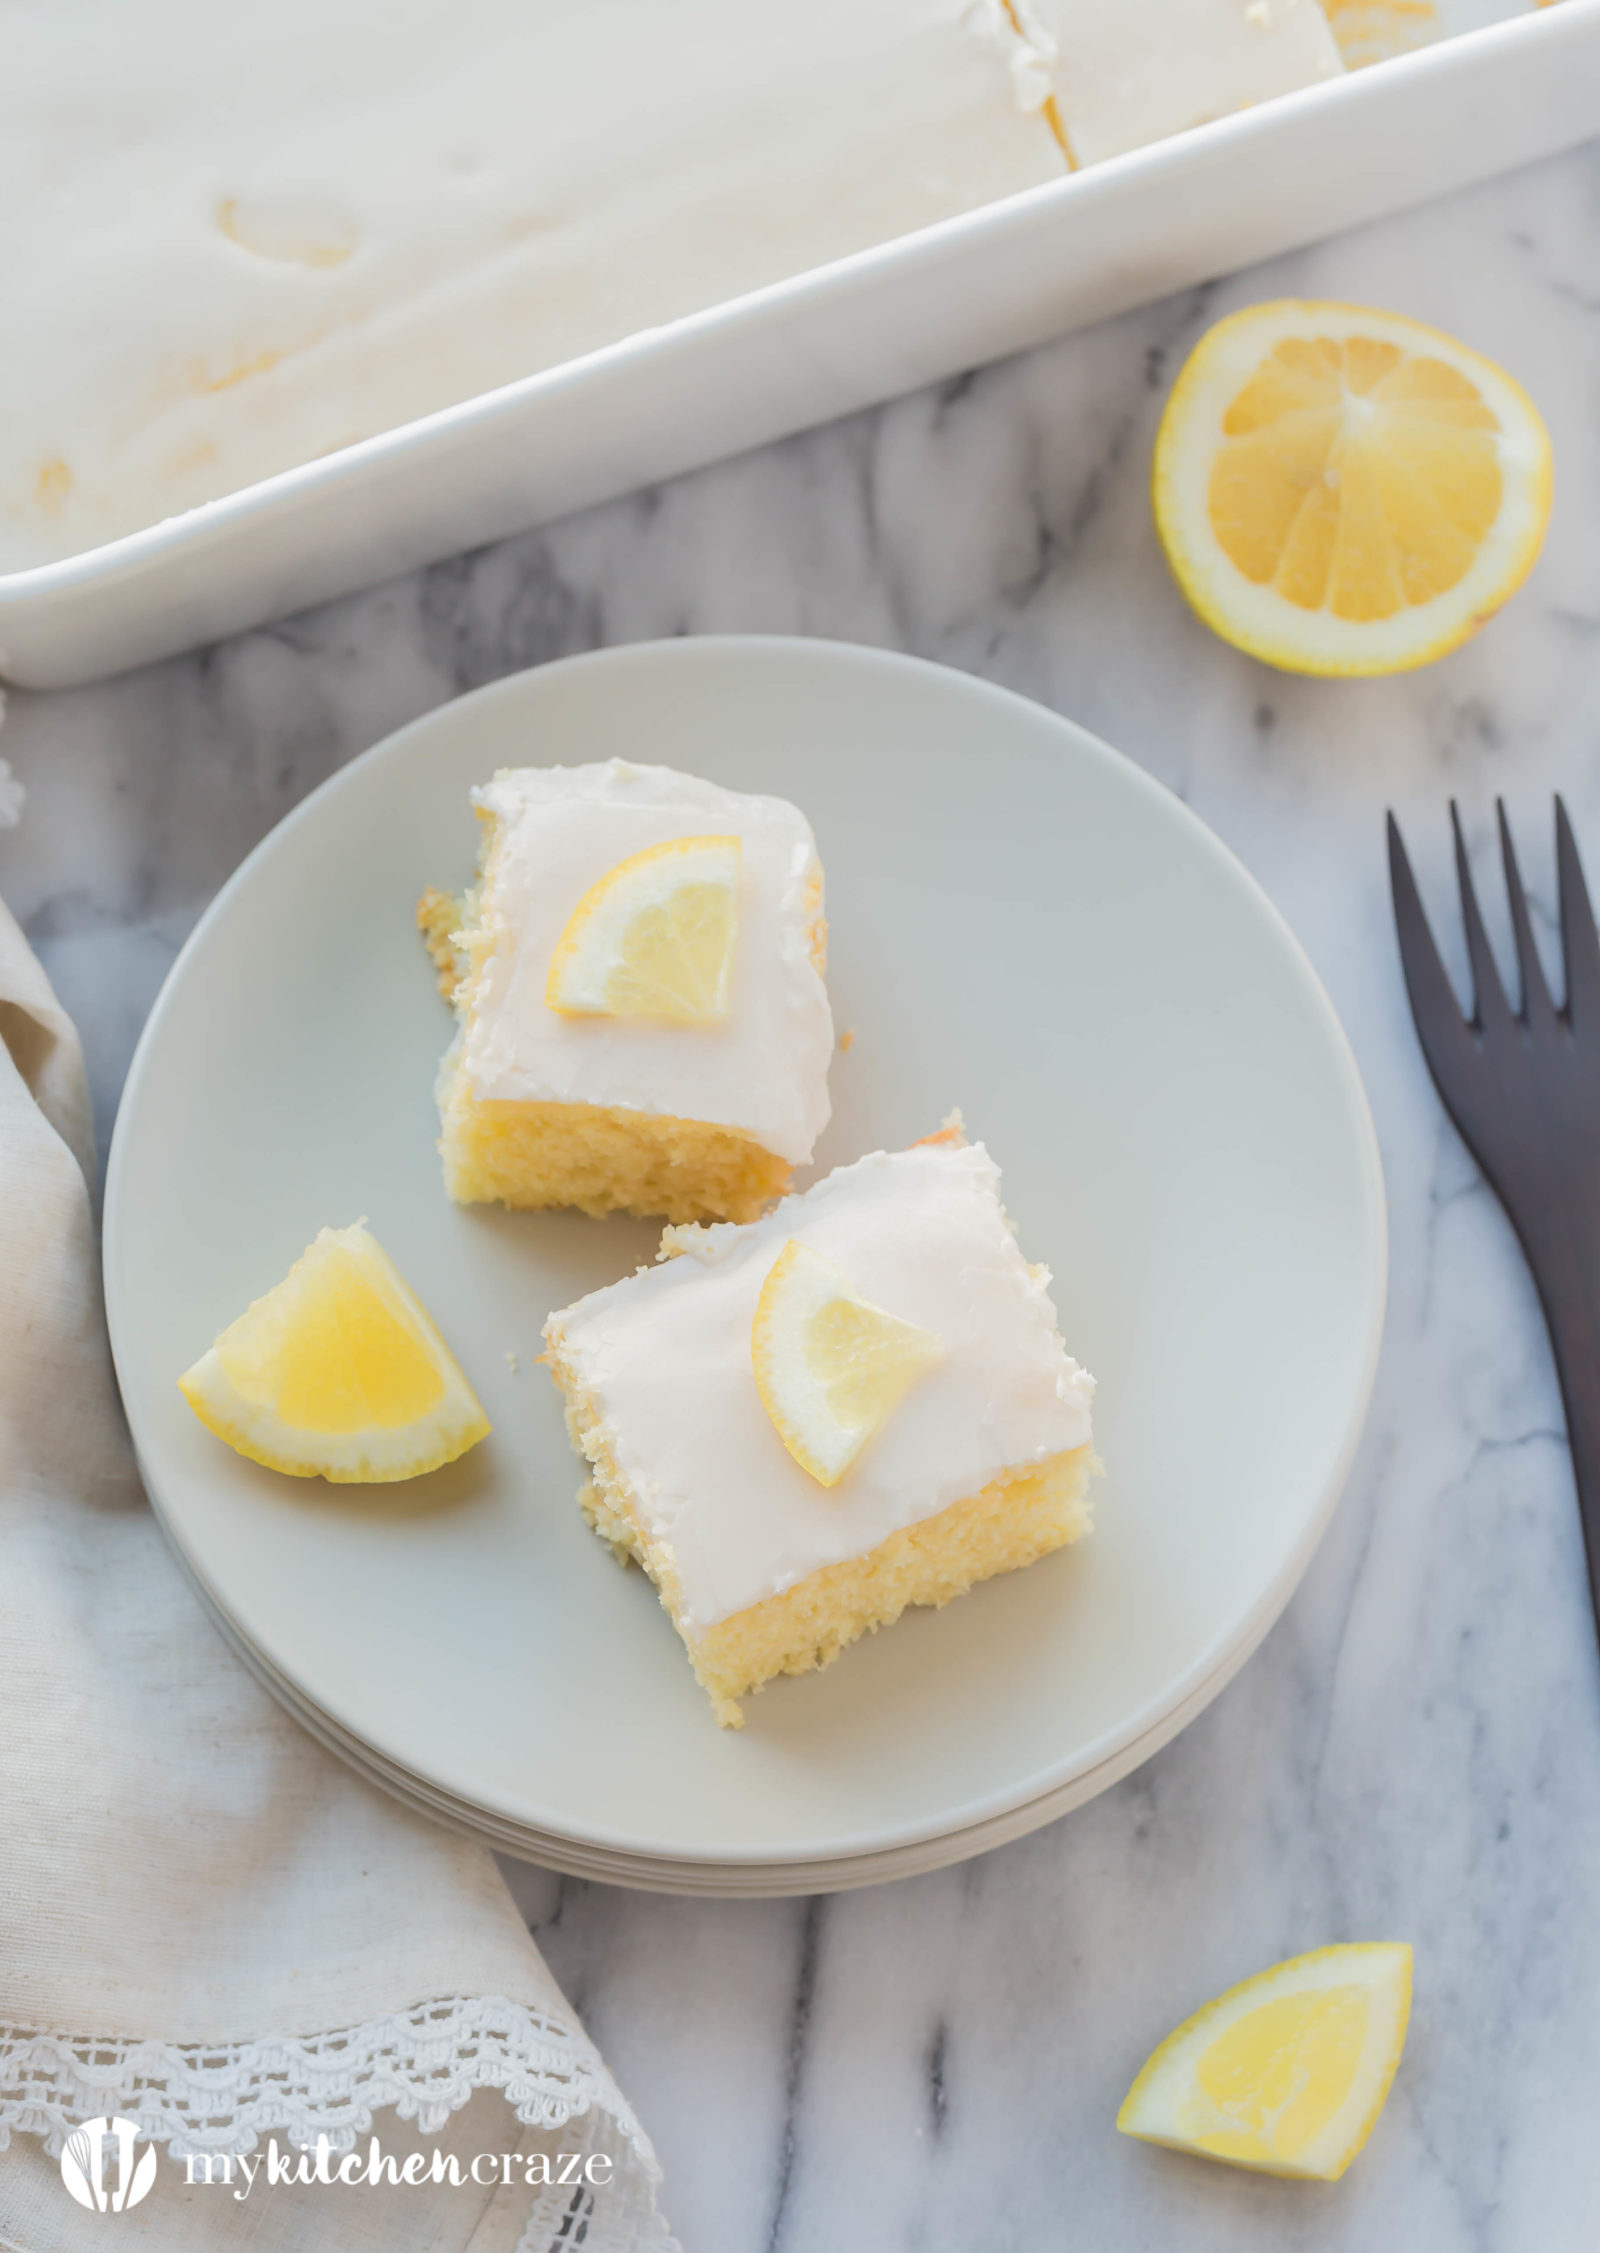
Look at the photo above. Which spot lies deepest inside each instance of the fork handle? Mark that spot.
(1567, 1273)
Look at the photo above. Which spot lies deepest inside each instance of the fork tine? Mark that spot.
(1440, 1026)
(1579, 944)
(1490, 1008)
(1536, 1003)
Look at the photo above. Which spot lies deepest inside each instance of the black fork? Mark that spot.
(1523, 1086)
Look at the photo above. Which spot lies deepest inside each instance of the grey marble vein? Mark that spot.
(1415, 1752)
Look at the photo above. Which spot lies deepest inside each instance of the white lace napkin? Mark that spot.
(206, 1925)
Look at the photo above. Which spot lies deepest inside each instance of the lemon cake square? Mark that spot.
(802, 1426)
(637, 973)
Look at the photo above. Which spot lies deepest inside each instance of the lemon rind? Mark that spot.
(374, 1457)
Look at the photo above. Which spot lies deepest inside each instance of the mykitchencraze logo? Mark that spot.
(379, 2169)
(99, 2168)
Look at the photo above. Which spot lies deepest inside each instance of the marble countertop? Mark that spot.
(1415, 1753)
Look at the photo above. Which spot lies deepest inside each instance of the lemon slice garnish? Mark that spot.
(831, 1367)
(1286, 2073)
(654, 938)
(1345, 491)
(337, 1372)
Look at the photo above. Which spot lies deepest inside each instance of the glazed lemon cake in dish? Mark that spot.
(308, 224)
(858, 1403)
(637, 975)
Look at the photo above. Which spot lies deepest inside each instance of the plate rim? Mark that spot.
(1226, 1653)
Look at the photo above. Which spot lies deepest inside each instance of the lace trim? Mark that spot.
(422, 2064)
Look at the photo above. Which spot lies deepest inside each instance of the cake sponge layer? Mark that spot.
(533, 1155)
(1015, 1520)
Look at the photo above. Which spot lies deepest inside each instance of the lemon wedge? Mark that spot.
(1286, 2073)
(1341, 491)
(654, 938)
(337, 1372)
(831, 1368)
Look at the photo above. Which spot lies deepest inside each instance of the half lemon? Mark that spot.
(654, 938)
(1342, 491)
(337, 1373)
(1286, 2073)
(831, 1368)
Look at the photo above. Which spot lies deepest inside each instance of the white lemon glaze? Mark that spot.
(236, 238)
(666, 1354)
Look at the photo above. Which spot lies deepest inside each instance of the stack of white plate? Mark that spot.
(1021, 924)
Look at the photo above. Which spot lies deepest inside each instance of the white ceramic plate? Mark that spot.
(1022, 923)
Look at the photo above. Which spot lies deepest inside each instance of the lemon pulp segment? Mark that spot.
(1354, 477)
(831, 1367)
(338, 1371)
(1287, 2072)
(654, 938)
(1281, 2073)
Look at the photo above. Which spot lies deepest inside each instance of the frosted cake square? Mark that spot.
(638, 981)
(802, 1426)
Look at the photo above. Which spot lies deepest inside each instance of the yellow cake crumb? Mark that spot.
(438, 916)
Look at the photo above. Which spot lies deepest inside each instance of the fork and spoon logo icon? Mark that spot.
(85, 2168)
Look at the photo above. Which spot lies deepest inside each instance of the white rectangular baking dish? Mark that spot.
(825, 344)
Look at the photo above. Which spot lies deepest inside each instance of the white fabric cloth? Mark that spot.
(207, 1924)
